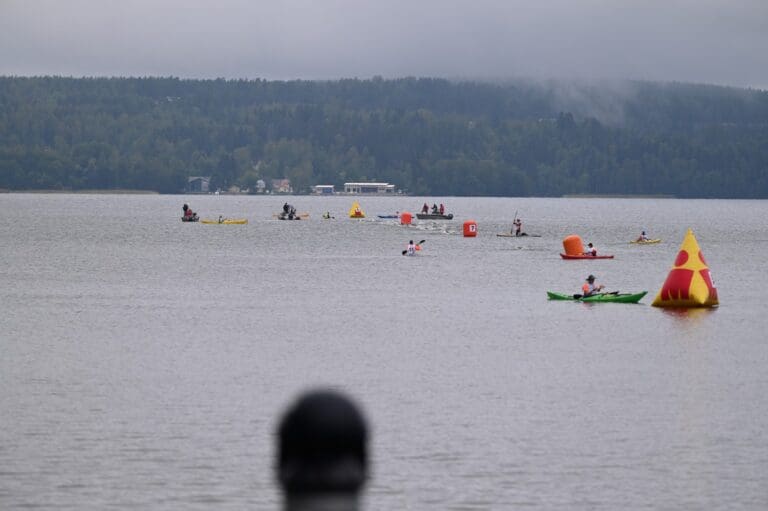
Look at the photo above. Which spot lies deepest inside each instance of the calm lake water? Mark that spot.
(144, 363)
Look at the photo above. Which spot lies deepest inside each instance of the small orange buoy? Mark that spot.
(572, 245)
(470, 229)
(405, 218)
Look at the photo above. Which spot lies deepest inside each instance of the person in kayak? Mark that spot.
(188, 213)
(286, 208)
(411, 248)
(589, 287)
(591, 250)
(642, 237)
(327, 215)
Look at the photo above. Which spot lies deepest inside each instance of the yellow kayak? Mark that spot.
(646, 242)
(225, 221)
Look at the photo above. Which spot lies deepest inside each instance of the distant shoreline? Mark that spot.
(616, 196)
(86, 192)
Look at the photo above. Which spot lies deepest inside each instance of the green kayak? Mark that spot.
(602, 297)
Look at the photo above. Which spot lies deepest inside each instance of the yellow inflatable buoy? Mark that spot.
(355, 211)
(689, 283)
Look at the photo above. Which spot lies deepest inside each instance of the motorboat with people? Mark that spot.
(189, 215)
(289, 213)
(436, 213)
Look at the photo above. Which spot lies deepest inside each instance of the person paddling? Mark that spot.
(411, 250)
(591, 250)
(642, 237)
(518, 225)
(589, 287)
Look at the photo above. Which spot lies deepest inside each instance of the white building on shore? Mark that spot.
(369, 188)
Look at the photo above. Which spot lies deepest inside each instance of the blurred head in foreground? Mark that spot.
(322, 448)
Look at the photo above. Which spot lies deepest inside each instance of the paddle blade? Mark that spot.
(422, 241)
(405, 252)
(576, 297)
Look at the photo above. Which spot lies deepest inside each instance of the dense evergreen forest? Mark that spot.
(427, 136)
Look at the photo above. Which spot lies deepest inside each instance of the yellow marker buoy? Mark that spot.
(689, 283)
(355, 211)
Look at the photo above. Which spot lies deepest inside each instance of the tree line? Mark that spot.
(427, 136)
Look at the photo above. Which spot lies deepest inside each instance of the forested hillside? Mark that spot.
(428, 136)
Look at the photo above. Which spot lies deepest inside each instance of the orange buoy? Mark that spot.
(470, 229)
(405, 218)
(572, 245)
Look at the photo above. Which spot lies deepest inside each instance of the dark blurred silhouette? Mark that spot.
(322, 458)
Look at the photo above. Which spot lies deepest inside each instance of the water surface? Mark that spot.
(144, 363)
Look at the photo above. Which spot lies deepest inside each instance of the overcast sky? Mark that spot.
(721, 42)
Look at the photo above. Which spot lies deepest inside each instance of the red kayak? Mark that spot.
(566, 256)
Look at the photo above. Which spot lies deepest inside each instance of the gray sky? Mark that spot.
(721, 42)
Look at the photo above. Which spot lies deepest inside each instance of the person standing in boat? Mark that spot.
(589, 287)
(591, 250)
(518, 225)
(434, 209)
(425, 209)
(442, 209)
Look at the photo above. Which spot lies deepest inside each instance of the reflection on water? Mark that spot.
(688, 314)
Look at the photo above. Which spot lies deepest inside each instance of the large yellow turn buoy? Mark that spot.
(689, 283)
(355, 211)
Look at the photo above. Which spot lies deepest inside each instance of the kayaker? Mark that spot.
(591, 250)
(286, 208)
(188, 213)
(589, 287)
(221, 219)
(642, 237)
(327, 215)
(411, 248)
